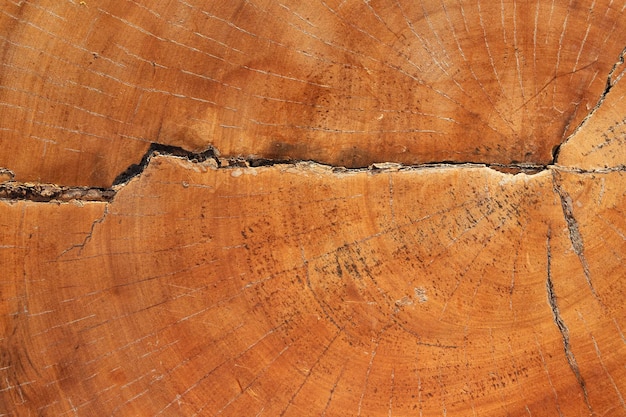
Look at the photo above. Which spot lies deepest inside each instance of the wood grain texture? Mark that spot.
(293, 290)
(86, 86)
(468, 262)
(599, 143)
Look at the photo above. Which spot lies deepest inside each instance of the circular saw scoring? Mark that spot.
(344, 83)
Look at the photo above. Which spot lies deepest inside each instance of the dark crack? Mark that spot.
(136, 169)
(560, 324)
(39, 192)
(610, 83)
(574, 232)
(13, 190)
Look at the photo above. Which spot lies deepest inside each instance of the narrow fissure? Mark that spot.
(610, 83)
(574, 232)
(560, 324)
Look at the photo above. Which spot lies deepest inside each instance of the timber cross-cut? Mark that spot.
(323, 208)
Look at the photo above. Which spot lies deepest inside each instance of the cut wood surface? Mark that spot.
(327, 208)
(87, 86)
(601, 143)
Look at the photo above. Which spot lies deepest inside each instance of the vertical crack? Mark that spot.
(574, 232)
(560, 324)
(611, 81)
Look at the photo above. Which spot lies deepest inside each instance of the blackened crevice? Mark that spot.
(50, 192)
(156, 148)
(594, 171)
(560, 324)
(512, 168)
(197, 157)
(12, 190)
(262, 162)
(528, 169)
(254, 162)
(39, 192)
(555, 153)
(610, 82)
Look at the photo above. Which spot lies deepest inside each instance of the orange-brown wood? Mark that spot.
(419, 281)
(292, 290)
(86, 86)
(599, 143)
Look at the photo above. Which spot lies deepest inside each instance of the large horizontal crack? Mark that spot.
(212, 154)
(42, 192)
(39, 192)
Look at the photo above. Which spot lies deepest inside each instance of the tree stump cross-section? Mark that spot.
(326, 208)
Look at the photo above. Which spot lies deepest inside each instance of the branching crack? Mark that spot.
(560, 324)
(574, 232)
(40, 192)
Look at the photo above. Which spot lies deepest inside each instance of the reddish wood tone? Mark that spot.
(204, 286)
(86, 86)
